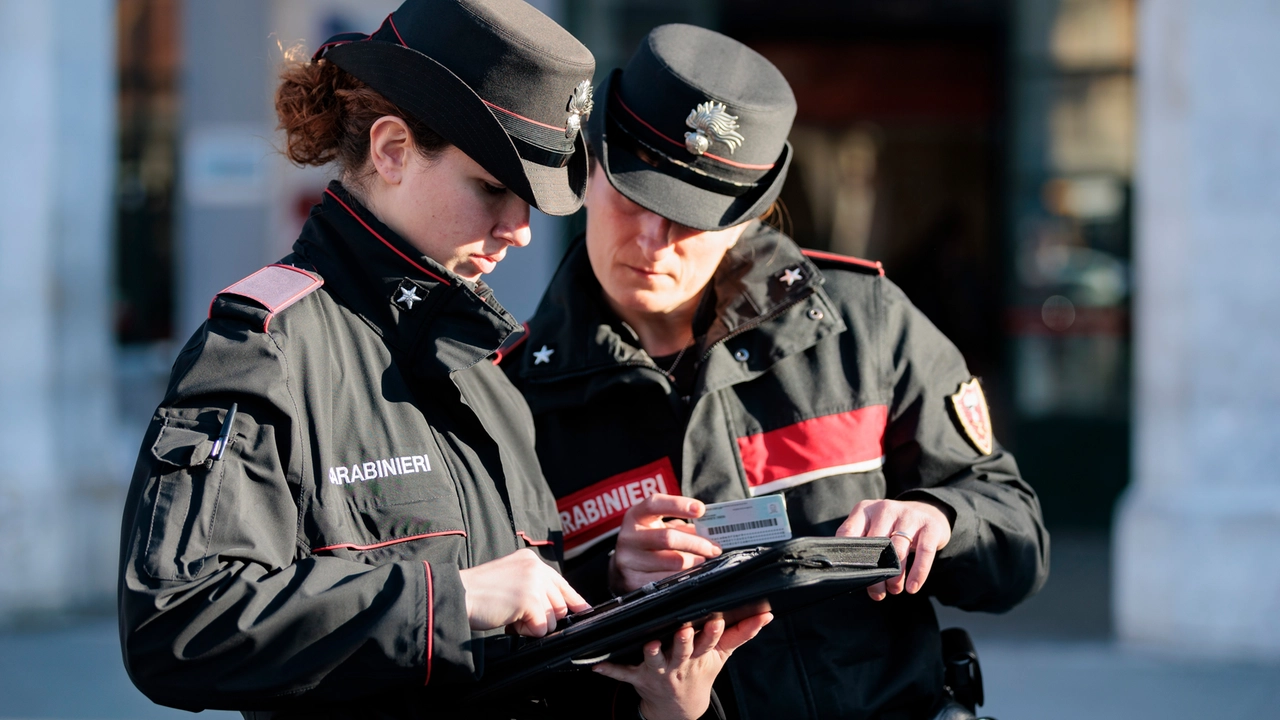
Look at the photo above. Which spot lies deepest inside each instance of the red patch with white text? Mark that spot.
(594, 513)
(971, 410)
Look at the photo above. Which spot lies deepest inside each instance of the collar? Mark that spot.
(759, 279)
(417, 306)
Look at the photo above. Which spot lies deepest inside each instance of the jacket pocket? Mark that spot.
(391, 503)
(183, 495)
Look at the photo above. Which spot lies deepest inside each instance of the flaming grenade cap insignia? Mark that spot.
(580, 105)
(711, 122)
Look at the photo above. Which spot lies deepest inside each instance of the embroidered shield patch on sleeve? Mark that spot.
(971, 410)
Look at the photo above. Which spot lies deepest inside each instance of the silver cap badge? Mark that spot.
(711, 122)
(579, 107)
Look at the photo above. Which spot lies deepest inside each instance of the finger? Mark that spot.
(557, 606)
(881, 517)
(928, 543)
(653, 656)
(856, 524)
(535, 625)
(901, 546)
(920, 568)
(742, 631)
(876, 592)
(571, 598)
(621, 673)
(681, 646)
(659, 564)
(668, 538)
(651, 510)
(708, 637)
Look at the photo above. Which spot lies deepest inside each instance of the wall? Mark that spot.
(60, 483)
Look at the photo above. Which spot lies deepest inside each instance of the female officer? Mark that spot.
(338, 498)
(692, 354)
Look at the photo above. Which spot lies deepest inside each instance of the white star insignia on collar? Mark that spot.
(408, 296)
(790, 277)
(543, 355)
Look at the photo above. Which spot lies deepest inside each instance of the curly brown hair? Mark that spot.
(326, 114)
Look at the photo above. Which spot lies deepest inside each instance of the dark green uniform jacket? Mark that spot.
(313, 569)
(817, 379)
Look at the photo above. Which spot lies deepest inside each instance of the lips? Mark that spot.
(644, 272)
(487, 263)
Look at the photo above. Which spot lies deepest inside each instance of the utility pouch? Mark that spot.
(962, 676)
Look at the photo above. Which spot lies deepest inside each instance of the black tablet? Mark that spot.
(783, 577)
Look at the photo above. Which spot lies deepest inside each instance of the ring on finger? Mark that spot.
(899, 533)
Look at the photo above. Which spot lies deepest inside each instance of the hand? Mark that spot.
(676, 685)
(926, 526)
(518, 590)
(650, 549)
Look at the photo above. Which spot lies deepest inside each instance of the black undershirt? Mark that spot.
(685, 371)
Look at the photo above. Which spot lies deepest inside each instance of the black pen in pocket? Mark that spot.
(224, 436)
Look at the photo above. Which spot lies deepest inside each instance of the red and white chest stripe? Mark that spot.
(848, 442)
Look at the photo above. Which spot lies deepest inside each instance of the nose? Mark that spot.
(514, 226)
(655, 232)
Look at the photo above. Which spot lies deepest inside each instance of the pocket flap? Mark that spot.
(182, 447)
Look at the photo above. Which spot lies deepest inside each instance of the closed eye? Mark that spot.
(492, 189)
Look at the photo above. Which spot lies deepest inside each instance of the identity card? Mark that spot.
(754, 521)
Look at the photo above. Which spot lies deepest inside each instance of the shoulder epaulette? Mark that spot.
(274, 287)
(870, 267)
(513, 342)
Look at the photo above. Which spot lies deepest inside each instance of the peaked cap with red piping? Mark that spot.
(496, 78)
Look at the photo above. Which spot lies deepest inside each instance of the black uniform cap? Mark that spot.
(695, 128)
(495, 78)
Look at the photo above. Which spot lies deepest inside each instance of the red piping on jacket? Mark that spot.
(375, 546)
(384, 240)
(873, 264)
(531, 541)
(431, 620)
(501, 353)
(726, 161)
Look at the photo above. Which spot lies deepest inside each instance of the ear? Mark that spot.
(390, 148)
(737, 231)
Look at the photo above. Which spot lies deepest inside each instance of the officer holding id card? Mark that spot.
(691, 363)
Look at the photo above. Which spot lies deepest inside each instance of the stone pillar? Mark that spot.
(1197, 535)
(59, 483)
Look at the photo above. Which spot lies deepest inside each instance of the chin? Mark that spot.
(644, 302)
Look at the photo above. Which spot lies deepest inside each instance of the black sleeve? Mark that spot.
(998, 554)
(221, 604)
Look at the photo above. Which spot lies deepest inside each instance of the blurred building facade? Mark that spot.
(987, 151)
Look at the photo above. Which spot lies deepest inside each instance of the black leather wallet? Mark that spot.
(783, 577)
